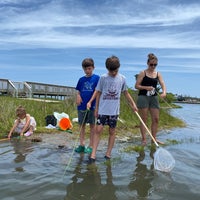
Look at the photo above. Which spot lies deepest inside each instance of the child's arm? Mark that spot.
(28, 118)
(13, 128)
(78, 98)
(130, 101)
(98, 94)
(92, 99)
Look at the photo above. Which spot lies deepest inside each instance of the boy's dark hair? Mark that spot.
(88, 62)
(112, 63)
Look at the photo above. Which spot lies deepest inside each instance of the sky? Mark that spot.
(45, 41)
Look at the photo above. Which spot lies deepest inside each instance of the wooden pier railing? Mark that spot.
(35, 90)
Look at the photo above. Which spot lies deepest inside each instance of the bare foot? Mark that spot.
(158, 141)
(144, 143)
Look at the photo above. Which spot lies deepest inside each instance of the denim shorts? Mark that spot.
(110, 120)
(148, 102)
(86, 116)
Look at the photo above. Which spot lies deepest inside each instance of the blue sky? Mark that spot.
(46, 40)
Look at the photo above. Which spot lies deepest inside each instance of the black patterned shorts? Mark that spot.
(110, 120)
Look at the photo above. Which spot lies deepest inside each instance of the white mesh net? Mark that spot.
(163, 160)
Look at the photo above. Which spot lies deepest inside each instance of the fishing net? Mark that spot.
(163, 160)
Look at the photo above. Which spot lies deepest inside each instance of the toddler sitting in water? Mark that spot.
(24, 124)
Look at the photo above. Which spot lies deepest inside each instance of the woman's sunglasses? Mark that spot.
(153, 65)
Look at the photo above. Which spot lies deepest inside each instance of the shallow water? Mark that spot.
(44, 171)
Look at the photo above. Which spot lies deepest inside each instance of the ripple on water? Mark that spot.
(36, 170)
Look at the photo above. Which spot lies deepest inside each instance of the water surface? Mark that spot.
(43, 171)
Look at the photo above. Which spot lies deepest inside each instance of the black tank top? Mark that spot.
(147, 81)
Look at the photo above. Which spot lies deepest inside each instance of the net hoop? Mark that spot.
(163, 160)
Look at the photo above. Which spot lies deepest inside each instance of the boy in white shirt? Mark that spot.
(107, 94)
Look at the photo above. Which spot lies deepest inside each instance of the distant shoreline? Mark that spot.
(188, 102)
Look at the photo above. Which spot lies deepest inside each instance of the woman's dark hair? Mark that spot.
(151, 56)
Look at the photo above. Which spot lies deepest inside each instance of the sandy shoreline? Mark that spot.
(65, 139)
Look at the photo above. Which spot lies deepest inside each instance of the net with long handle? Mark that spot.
(163, 160)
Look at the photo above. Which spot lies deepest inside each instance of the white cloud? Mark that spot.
(171, 27)
(57, 25)
(52, 39)
(58, 15)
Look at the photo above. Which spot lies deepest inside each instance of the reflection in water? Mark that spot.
(126, 178)
(21, 149)
(108, 190)
(86, 183)
(142, 177)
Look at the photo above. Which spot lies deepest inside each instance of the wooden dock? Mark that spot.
(35, 90)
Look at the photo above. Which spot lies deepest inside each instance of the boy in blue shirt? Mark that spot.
(85, 89)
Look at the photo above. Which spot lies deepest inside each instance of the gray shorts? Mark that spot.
(111, 121)
(148, 102)
(86, 116)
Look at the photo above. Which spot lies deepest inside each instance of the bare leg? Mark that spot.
(96, 139)
(29, 132)
(111, 141)
(154, 122)
(82, 135)
(92, 130)
(31, 129)
(144, 115)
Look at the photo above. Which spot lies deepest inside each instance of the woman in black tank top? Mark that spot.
(148, 81)
(147, 101)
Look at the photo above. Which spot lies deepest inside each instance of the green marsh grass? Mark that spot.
(41, 108)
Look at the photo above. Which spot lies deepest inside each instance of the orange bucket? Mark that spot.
(65, 124)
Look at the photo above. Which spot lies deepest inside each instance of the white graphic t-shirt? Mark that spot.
(110, 88)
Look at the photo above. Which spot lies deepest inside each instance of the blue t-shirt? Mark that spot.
(86, 86)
